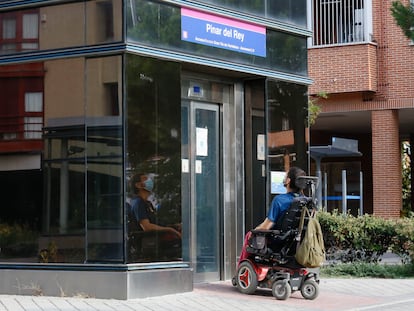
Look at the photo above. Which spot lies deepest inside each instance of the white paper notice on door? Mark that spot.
(260, 147)
(185, 166)
(201, 142)
(198, 167)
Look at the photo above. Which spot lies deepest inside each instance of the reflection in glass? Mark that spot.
(82, 23)
(207, 190)
(20, 31)
(63, 233)
(104, 159)
(153, 146)
(21, 123)
(159, 25)
(289, 11)
(83, 162)
(287, 125)
(63, 236)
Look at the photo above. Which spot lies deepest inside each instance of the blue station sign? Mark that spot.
(223, 33)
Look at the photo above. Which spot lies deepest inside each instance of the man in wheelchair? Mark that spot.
(264, 232)
(268, 258)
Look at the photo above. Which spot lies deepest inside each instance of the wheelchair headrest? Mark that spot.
(302, 182)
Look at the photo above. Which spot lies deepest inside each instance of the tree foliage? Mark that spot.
(404, 17)
(406, 178)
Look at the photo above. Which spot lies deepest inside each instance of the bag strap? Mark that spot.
(305, 211)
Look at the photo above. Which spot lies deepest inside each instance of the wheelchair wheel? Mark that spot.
(246, 279)
(310, 289)
(281, 290)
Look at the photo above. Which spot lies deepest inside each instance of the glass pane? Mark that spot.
(103, 21)
(159, 25)
(8, 48)
(30, 46)
(104, 158)
(154, 147)
(9, 28)
(255, 152)
(33, 127)
(20, 223)
(289, 11)
(34, 102)
(185, 180)
(333, 172)
(287, 125)
(63, 239)
(81, 22)
(63, 236)
(206, 190)
(30, 26)
(25, 83)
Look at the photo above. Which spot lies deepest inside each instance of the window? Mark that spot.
(21, 102)
(33, 124)
(341, 21)
(30, 32)
(19, 31)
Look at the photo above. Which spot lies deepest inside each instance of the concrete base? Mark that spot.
(124, 282)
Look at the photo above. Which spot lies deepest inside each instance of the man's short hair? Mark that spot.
(134, 179)
(292, 174)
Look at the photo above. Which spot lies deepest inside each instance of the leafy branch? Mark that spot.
(404, 17)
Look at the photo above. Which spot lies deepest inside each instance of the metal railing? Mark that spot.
(21, 127)
(338, 21)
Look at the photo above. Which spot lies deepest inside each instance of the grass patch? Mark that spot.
(371, 270)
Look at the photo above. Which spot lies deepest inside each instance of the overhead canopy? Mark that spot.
(341, 147)
(331, 152)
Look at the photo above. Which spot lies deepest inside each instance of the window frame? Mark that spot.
(19, 41)
(337, 25)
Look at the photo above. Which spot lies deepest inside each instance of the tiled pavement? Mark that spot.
(335, 294)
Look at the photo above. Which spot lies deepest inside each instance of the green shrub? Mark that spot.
(366, 238)
(17, 240)
(373, 270)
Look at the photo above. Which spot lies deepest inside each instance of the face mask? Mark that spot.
(148, 184)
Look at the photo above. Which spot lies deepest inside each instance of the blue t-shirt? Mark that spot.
(142, 210)
(280, 204)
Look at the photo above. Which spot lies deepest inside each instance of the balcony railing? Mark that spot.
(16, 128)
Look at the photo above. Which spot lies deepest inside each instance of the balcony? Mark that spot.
(343, 68)
(21, 134)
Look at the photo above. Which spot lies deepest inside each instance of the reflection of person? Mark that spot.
(282, 202)
(142, 209)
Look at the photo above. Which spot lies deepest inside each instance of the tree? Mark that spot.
(404, 17)
(406, 177)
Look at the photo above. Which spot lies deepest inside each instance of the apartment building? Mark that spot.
(208, 97)
(360, 58)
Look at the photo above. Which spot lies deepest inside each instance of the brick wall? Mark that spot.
(386, 164)
(395, 54)
(343, 69)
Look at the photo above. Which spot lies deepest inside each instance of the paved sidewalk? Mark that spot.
(335, 294)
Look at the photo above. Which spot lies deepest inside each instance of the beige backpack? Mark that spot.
(311, 249)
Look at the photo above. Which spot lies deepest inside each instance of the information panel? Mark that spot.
(224, 33)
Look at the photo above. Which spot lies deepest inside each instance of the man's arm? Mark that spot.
(146, 225)
(267, 224)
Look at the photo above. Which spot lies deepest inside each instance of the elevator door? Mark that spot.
(201, 188)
